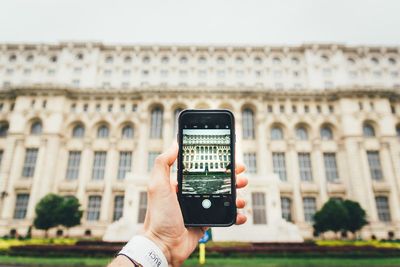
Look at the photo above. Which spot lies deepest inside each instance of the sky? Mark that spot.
(253, 22)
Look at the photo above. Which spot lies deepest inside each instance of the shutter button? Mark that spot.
(206, 203)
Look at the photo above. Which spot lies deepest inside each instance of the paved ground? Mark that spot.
(212, 183)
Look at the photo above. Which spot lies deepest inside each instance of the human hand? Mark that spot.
(164, 222)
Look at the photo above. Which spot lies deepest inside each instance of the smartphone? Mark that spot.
(206, 167)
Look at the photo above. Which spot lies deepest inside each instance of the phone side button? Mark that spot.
(206, 203)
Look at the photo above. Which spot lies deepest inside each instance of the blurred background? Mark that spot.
(89, 96)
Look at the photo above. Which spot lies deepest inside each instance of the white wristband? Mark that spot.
(145, 252)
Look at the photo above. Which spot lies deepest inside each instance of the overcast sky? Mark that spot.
(202, 21)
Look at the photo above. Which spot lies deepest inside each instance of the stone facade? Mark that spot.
(76, 118)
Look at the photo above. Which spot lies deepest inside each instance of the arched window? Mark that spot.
(176, 114)
(301, 133)
(78, 131)
(276, 133)
(3, 129)
(398, 130)
(127, 132)
(102, 131)
(326, 133)
(248, 123)
(156, 123)
(36, 128)
(368, 130)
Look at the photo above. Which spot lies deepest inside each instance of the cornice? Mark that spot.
(331, 94)
(247, 48)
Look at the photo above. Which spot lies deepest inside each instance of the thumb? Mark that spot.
(161, 169)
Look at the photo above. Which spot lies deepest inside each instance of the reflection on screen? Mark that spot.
(206, 162)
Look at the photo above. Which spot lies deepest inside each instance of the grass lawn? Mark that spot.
(248, 262)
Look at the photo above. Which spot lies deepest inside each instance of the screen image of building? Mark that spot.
(83, 119)
(206, 161)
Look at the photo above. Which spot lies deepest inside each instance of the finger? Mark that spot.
(239, 168)
(196, 232)
(241, 181)
(160, 175)
(168, 157)
(240, 203)
(240, 219)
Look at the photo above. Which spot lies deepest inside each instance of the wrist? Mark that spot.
(145, 251)
(160, 243)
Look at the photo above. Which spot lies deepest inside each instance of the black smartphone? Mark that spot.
(206, 167)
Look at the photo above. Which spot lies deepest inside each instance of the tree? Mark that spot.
(70, 214)
(357, 218)
(333, 216)
(47, 212)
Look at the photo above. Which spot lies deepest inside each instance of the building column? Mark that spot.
(14, 174)
(389, 176)
(319, 172)
(107, 202)
(37, 183)
(294, 178)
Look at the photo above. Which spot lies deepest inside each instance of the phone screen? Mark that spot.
(206, 167)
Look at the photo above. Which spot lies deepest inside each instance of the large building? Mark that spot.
(76, 118)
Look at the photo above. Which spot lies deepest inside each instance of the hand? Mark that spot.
(164, 222)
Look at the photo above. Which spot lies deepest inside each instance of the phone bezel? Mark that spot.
(232, 158)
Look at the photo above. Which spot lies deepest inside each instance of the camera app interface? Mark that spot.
(206, 162)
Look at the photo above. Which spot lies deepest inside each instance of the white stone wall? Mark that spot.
(60, 105)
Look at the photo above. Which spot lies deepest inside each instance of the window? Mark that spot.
(79, 56)
(125, 163)
(151, 159)
(331, 171)
(310, 207)
(279, 165)
(156, 123)
(375, 61)
(382, 207)
(127, 132)
(286, 207)
(257, 60)
(142, 207)
(258, 205)
(220, 60)
(326, 133)
(397, 130)
(183, 60)
(1, 157)
(392, 61)
(93, 209)
(109, 59)
(276, 133)
(30, 162)
(99, 165)
(305, 167)
(78, 131)
(248, 124)
(118, 207)
(250, 160)
(74, 160)
(146, 60)
(164, 60)
(127, 59)
(202, 60)
(301, 133)
(374, 165)
(3, 129)
(176, 115)
(368, 130)
(102, 131)
(36, 128)
(21, 206)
